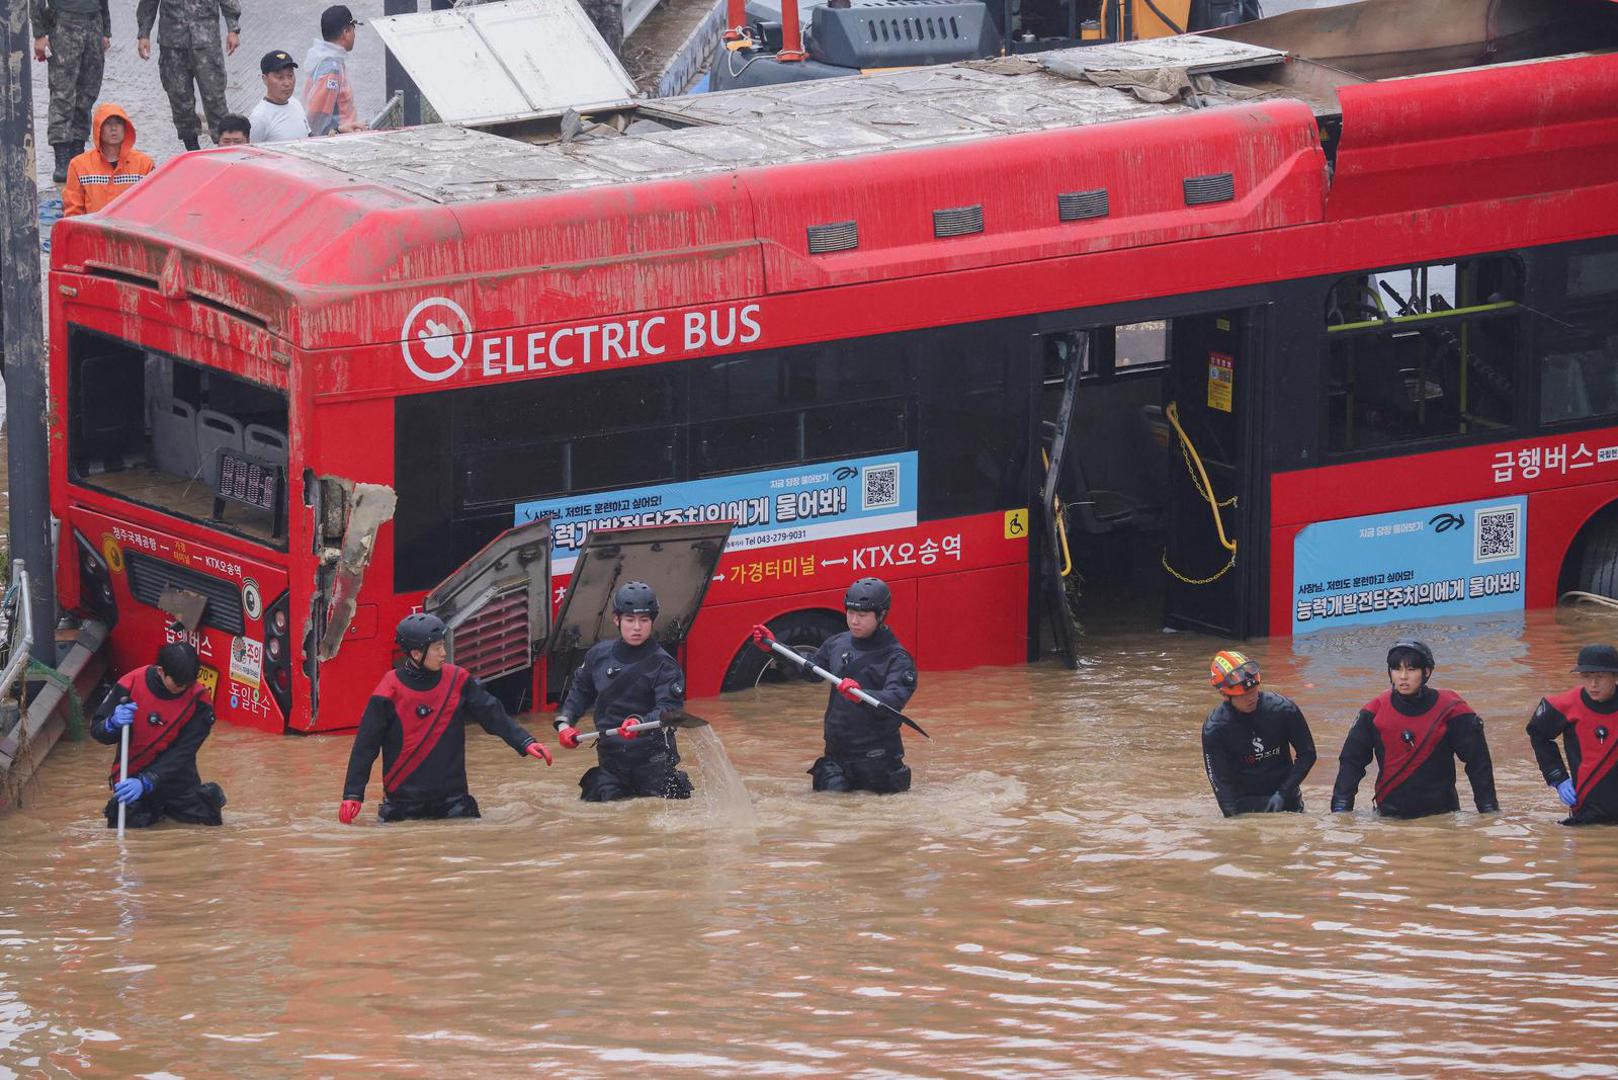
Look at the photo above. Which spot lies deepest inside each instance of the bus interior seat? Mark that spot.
(265, 442)
(109, 432)
(216, 431)
(174, 438)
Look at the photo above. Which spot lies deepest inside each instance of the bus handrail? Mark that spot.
(25, 617)
(1425, 316)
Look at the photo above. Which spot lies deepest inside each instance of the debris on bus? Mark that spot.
(342, 569)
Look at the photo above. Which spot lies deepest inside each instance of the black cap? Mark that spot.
(275, 61)
(335, 19)
(1597, 658)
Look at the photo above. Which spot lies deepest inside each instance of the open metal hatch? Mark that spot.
(512, 60)
(677, 561)
(498, 603)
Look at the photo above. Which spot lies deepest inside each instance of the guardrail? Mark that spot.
(22, 646)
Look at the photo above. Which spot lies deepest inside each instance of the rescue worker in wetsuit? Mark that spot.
(1586, 720)
(863, 749)
(169, 716)
(1249, 740)
(625, 679)
(1415, 732)
(417, 717)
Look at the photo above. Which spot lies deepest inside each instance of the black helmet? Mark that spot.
(1407, 649)
(868, 594)
(1597, 658)
(635, 598)
(418, 630)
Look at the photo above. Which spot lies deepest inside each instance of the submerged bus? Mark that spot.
(1279, 349)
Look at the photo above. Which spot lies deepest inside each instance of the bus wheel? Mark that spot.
(1598, 565)
(801, 631)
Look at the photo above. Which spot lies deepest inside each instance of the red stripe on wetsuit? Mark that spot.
(158, 720)
(1407, 741)
(1589, 728)
(424, 717)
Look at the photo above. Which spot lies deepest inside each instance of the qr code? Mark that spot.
(879, 486)
(1497, 535)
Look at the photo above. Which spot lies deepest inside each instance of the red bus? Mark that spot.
(1276, 334)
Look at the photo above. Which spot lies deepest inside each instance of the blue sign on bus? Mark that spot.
(1463, 558)
(775, 506)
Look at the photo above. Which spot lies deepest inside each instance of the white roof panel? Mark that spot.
(511, 60)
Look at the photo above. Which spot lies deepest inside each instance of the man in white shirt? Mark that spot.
(279, 116)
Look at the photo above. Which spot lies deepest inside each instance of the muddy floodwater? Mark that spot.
(1057, 897)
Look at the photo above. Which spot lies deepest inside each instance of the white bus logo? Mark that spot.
(437, 339)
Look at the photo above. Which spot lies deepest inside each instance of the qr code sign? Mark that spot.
(879, 486)
(1498, 535)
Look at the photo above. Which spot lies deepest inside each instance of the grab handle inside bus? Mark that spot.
(1200, 476)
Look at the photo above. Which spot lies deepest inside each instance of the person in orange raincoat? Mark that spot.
(109, 168)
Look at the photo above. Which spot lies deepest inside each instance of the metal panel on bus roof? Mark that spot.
(511, 60)
(677, 561)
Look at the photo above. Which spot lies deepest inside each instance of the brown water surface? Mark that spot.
(1057, 897)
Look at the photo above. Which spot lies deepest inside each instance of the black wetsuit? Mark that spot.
(177, 789)
(1589, 729)
(863, 749)
(621, 681)
(1249, 756)
(436, 787)
(1428, 787)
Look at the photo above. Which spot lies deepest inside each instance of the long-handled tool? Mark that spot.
(765, 640)
(634, 725)
(123, 774)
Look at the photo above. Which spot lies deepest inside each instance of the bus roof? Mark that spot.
(675, 138)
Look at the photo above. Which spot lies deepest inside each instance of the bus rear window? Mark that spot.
(156, 429)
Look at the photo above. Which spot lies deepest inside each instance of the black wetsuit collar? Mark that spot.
(625, 653)
(1415, 704)
(154, 683)
(417, 678)
(1605, 708)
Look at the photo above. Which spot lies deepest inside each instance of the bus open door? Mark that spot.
(1210, 397)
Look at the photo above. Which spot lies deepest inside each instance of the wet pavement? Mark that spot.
(1056, 897)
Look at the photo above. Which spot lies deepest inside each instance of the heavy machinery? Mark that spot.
(776, 41)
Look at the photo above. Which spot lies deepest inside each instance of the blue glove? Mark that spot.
(1566, 792)
(122, 716)
(1277, 804)
(127, 791)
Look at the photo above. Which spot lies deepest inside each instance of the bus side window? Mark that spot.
(1421, 353)
(1577, 346)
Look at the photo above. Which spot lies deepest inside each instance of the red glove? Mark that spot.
(568, 736)
(534, 749)
(624, 728)
(849, 689)
(347, 812)
(762, 637)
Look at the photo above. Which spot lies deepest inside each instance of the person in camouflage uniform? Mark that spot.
(72, 36)
(188, 40)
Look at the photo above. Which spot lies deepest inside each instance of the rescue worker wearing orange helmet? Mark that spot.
(1256, 744)
(1415, 732)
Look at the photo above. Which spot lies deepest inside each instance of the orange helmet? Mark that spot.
(1233, 673)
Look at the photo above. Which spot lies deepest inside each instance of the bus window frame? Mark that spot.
(279, 543)
(1522, 408)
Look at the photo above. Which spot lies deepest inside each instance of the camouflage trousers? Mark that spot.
(608, 16)
(75, 77)
(179, 68)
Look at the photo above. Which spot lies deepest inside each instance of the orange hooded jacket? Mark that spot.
(92, 180)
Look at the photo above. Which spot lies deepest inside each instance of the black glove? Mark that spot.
(1277, 803)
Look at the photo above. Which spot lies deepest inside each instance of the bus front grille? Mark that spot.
(148, 577)
(494, 641)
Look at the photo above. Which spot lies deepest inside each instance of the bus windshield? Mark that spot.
(190, 440)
